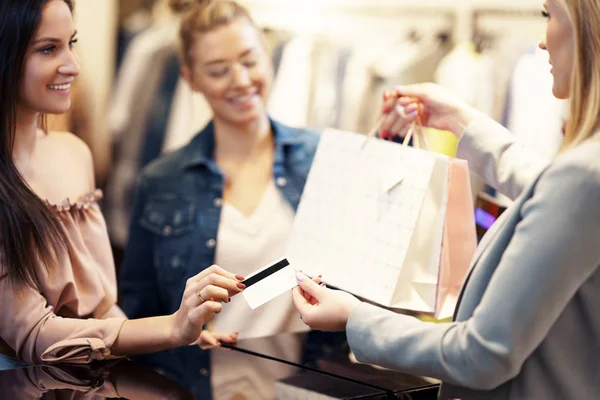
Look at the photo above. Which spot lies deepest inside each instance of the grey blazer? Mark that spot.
(527, 325)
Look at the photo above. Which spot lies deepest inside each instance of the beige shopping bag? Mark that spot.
(374, 220)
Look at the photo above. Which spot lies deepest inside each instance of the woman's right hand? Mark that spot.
(202, 299)
(435, 106)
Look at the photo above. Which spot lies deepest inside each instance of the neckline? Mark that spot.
(82, 202)
(263, 203)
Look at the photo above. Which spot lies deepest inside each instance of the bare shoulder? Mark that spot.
(68, 142)
(73, 154)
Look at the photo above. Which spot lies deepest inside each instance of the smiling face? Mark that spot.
(559, 42)
(230, 66)
(51, 63)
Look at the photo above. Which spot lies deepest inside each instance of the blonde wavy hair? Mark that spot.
(202, 16)
(584, 97)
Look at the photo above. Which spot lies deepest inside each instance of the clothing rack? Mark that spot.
(486, 36)
(346, 20)
(507, 12)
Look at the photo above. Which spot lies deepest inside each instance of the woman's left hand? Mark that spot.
(209, 340)
(322, 308)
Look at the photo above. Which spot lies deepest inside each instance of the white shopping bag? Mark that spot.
(371, 220)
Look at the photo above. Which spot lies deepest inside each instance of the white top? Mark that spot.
(245, 244)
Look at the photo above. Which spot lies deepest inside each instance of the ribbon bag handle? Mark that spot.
(416, 129)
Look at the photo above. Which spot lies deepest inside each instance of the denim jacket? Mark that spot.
(173, 236)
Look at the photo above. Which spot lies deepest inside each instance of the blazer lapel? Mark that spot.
(482, 247)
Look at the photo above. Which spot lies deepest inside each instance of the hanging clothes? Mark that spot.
(143, 91)
(289, 100)
(532, 108)
(469, 75)
(189, 113)
(356, 82)
(409, 62)
(328, 68)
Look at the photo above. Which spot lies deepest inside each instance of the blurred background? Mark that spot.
(333, 59)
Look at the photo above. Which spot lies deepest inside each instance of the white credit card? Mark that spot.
(269, 282)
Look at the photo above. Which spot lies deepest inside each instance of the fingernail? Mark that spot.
(386, 110)
(414, 114)
(300, 277)
(385, 96)
(239, 277)
(322, 284)
(411, 107)
(229, 300)
(385, 133)
(241, 286)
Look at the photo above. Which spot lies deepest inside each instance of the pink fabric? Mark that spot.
(62, 320)
(460, 239)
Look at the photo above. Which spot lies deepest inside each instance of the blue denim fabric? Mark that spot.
(173, 236)
(7, 362)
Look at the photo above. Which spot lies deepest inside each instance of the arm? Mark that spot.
(497, 157)
(138, 283)
(30, 327)
(492, 151)
(541, 270)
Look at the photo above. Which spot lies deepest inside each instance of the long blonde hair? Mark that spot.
(202, 16)
(584, 97)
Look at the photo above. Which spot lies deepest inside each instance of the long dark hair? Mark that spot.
(30, 233)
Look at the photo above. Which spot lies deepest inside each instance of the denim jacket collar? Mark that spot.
(201, 148)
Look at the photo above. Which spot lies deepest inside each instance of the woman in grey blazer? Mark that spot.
(527, 325)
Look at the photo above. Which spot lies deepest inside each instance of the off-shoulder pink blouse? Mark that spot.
(73, 317)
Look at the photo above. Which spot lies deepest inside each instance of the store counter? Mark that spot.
(327, 378)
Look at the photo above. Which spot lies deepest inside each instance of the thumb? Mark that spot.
(418, 91)
(312, 288)
(208, 340)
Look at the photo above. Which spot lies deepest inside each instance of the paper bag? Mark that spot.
(373, 221)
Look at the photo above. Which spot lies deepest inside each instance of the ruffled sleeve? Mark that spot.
(30, 327)
(73, 316)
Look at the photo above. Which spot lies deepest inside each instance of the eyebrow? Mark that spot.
(51, 39)
(243, 54)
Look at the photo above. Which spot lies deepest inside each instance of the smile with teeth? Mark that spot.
(243, 99)
(60, 87)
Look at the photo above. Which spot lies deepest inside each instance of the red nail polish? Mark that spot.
(385, 134)
(239, 277)
(386, 110)
(241, 286)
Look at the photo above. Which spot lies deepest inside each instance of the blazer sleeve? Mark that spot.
(498, 158)
(541, 269)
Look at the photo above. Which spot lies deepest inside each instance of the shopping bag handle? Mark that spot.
(416, 129)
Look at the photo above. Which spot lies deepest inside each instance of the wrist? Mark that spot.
(350, 306)
(175, 338)
(462, 119)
